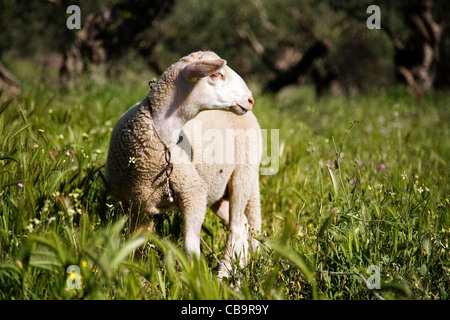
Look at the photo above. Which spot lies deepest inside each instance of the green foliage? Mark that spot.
(362, 181)
(363, 59)
(284, 29)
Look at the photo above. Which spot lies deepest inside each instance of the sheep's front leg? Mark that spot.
(236, 247)
(192, 204)
(192, 226)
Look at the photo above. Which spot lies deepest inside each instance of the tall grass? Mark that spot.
(362, 181)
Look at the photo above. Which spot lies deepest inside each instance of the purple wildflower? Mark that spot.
(20, 184)
(361, 163)
(382, 166)
(57, 147)
(330, 164)
(352, 181)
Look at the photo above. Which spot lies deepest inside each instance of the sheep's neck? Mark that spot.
(167, 110)
(168, 128)
(168, 123)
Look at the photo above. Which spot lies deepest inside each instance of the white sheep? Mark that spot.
(188, 101)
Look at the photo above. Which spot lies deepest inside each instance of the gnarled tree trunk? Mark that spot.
(295, 72)
(417, 57)
(8, 84)
(110, 33)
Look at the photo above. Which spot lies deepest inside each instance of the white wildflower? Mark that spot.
(404, 175)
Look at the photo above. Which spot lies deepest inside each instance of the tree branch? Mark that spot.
(317, 50)
(334, 273)
(8, 82)
(246, 34)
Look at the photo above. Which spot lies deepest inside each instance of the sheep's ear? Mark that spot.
(203, 68)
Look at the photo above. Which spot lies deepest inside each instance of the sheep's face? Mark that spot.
(215, 86)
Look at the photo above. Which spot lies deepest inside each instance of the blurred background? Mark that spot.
(273, 44)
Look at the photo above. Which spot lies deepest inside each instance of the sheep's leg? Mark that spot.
(193, 207)
(237, 245)
(191, 235)
(253, 213)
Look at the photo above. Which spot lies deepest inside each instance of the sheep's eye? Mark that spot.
(217, 75)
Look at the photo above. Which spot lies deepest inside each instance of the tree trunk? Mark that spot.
(8, 84)
(110, 33)
(295, 73)
(301, 68)
(417, 57)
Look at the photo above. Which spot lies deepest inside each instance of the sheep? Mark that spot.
(156, 163)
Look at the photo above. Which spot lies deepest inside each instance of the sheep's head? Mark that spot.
(214, 85)
(199, 81)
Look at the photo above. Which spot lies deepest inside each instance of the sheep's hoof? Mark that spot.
(233, 282)
(231, 274)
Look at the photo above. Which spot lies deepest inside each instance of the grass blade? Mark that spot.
(126, 250)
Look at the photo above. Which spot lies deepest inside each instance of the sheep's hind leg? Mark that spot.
(237, 244)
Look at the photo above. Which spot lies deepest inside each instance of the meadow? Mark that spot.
(362, 181)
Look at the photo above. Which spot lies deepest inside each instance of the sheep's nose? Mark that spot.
(251, 101)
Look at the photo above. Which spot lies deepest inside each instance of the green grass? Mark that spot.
(362, 181)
